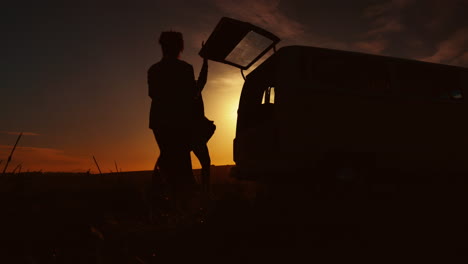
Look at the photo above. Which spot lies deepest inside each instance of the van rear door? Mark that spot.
(237, 43)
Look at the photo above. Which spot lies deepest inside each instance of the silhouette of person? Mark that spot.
(203, 128)
(171, 86)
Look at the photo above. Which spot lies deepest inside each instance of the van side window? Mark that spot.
(269, 96)
(456, 94)
(448, 86)
(453, 95)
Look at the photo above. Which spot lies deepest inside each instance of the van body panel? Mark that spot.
(392, 113)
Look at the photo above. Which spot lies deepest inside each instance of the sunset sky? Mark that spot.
(73, 73)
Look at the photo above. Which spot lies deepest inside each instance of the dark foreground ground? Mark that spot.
(82, 218)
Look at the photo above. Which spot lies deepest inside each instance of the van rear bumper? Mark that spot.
(239, 174)
(264, 173)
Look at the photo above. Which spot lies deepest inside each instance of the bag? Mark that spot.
(203, 131)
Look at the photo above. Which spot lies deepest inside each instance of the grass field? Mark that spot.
(108, 218)
(111, 218)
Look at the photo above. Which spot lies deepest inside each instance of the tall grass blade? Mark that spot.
(116, 168)
(11, 154)
(17, 167)
(97, 165)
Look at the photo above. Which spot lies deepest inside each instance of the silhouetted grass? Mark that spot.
(105, 219)
(60, 213)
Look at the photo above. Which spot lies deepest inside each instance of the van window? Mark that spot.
(237, 43)
(248, 49)
(446, 85)
(456, 94)
(453, 95)
(269, 96)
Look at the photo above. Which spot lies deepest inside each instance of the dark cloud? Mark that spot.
(412, 29)
(17, 133)
(385, 7)
(263, 13)
(375, 46)
(386, 16)
(453, 50)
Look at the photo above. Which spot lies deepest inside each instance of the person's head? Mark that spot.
(172, 43)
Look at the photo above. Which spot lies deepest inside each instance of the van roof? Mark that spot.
(287, 57)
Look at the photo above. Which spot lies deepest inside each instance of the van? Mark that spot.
(307, 109)
(358, 154)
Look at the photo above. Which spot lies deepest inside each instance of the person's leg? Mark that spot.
(164, 147)
(180, 164)
(161, 187)
(203, 155)
(169, 163)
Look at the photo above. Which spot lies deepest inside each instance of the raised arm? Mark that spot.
(203, 76)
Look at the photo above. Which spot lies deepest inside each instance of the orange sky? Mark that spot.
(132, 146)
(221, 97)
(73, 74)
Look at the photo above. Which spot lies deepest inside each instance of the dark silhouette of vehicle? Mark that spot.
(307, 108)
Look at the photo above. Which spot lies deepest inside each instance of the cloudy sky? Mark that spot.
(73, 73)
